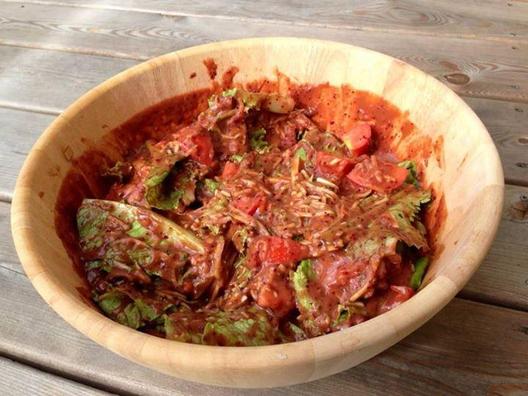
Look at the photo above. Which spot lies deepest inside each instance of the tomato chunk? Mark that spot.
(230, 170)
(203, 151)
(271, 289)
(358, 138)
(378, 175)
(393, 297)
(250, 205)
(272, 250)
(330, 165)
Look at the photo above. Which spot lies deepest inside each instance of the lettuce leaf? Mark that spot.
(412, 175)
(404, 210)
(419, 270)
(228, 329)
(308, 307)
(258, 141)
(92, 211)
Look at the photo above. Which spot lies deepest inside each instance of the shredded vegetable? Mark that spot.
(253, 225)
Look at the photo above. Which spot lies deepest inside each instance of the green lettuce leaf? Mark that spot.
(107, 227)
(110, 301)
(258, 141)
(412, 176)
(211, 185)
(301, 154)
(404, 210)
(228, 329)
(230, 92)
(237, 158)
(419, 271)
(306, 304)
(170, 234)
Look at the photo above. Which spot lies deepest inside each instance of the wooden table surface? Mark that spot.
(53, 51)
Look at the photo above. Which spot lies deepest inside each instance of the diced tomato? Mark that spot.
(390, 299)
(204, 151)
(358, 138)
(271, 289)
(378, 175)
(395, 296)
(230, 170)
(271, 250)
(328, 164)
(343, 277)
(250, 205)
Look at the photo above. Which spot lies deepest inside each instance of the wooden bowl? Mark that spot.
(467, 172)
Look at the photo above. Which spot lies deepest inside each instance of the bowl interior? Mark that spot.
(462, 167)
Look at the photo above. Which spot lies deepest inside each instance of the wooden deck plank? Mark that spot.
(474, 67)
(506, 122)
(476, 18)
(19, 130)
(19, 380)
(50, 80)
(455, 353)
(503, 276)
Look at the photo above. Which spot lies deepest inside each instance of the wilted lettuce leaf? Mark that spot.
(126, 238)
(111, 301)
(404, 210)
(301, 277)
(132, 313)
(93, 213)
(258, 141)
(228, 329)
(412, 175)
(243, 327)
(229, 92)
(236, 288)
(308, 307)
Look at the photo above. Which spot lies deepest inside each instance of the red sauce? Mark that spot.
(228, 76)
(211, 67)
(334, 109)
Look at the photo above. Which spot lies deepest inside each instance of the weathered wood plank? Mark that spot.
(20, 129)
(474, 67)
(49, 80)
(506, 122)
(455, 353)
(476, 18)
(19, 380)
(503, 276)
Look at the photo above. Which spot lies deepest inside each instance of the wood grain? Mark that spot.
(469, 66)
(20, 380)
(19, 130)
(468, 348)
(507, 121)
(503, 276)
(482, 19)
(48, 80)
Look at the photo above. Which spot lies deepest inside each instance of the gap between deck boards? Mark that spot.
(63, 374)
